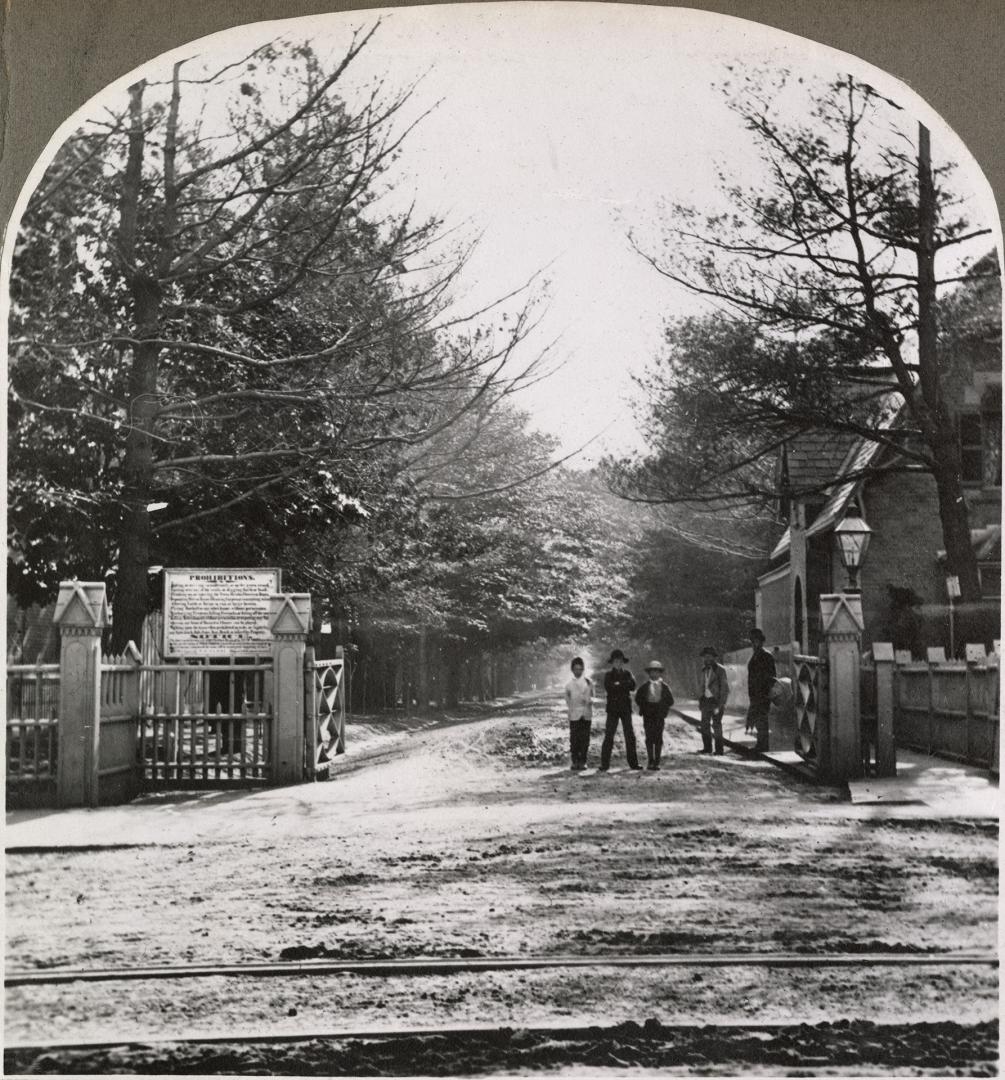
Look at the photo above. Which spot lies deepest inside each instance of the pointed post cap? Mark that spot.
(841, 613)
(81, 603)
(289, 613)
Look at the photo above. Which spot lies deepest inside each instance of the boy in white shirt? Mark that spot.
(579, 699)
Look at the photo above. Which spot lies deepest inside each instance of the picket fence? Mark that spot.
(165, 724)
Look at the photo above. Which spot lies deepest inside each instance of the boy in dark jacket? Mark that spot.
(618, 685)
(654, 700)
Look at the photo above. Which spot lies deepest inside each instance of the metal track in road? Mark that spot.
(463, 965)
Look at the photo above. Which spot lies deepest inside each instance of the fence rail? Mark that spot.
(96, 729)
(192, 750)
(32, 740)
(32, 692)
(205, 724)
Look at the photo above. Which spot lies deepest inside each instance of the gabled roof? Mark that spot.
(821, 456)
(860, 457)
(813, 459)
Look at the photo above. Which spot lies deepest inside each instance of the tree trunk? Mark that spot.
(130, 601)
(422, 674)
(452, 679)
(493, 676)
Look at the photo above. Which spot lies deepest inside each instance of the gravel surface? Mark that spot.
(844, 1049)
(474, 839)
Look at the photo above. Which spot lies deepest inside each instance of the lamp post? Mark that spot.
(852, 537)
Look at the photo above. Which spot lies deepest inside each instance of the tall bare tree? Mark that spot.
(825, 277)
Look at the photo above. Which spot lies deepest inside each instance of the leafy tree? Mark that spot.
(687, 596)
(488, 554)
(825, 276)
(220, 336)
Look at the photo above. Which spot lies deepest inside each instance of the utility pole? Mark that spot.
(953, 509)
(927, 327)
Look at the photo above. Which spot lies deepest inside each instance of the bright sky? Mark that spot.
(560, 125)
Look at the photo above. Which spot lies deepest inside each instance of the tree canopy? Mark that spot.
(221, 335)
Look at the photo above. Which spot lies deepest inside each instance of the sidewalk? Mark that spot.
(950, 788)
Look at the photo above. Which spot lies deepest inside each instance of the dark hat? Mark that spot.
(617, 655)
(708, 651)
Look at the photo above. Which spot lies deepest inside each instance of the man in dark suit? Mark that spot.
(654, 700)
(760, 679)
(619, 684)
(713, 691)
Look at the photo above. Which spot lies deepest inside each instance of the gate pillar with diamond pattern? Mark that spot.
(289, 623)
(325, 718)
(809, 691)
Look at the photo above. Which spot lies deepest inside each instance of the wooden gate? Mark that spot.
(325, 720)
(115, 770)
(206, 725)
(809, 689)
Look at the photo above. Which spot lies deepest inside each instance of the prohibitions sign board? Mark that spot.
(218, 612)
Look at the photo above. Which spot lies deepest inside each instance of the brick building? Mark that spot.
(903, 580)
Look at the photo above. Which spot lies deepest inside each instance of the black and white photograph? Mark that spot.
(503, 550)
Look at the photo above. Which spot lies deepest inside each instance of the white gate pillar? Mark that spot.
(841, 616)
(81, 614)
(289, 623)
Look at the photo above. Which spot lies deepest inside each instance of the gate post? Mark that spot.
(81, 614)
(886, 746)
(841, 615)
(289, 623)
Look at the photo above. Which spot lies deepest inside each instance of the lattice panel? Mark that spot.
(808, 705)
(329, 725)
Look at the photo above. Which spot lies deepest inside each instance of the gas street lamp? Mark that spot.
(852, 537)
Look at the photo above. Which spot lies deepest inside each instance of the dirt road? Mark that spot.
(474, 839)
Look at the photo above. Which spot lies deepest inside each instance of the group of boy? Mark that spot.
(654, 700)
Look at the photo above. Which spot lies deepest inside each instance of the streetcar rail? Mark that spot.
(455, 965)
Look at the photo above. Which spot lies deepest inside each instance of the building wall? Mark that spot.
(775, 608)
(903, 512)
(819, 580)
